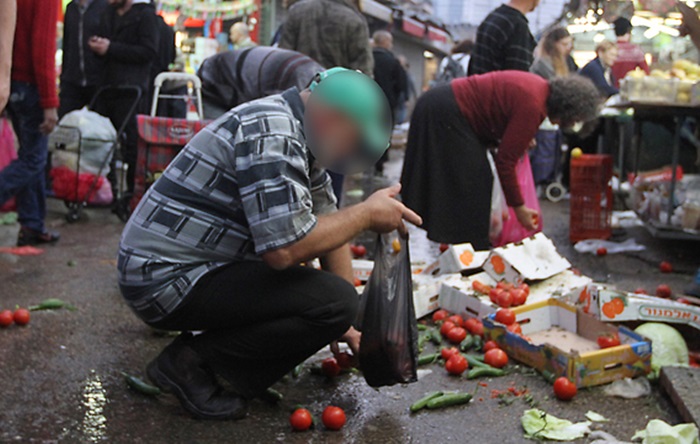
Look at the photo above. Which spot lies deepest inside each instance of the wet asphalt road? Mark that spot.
(60, 376)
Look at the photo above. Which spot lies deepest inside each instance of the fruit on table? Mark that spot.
(330, 367)
(6, 318)
(505, 299)
(576, 153)
(666, 267)
(446, 327)
(494, 294)
(333, 418)
(496, 358)
(607, 341)
(489, 345)
(456, 320)
(301, 420)
(21, 316)
(505, 316)
(456, 365)
(663, 291)
(519, 296)
(456, 335)
(601, 251)
(564, 389)
(440, 315)
(474, 326)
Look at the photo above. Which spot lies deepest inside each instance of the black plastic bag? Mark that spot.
(387, 319)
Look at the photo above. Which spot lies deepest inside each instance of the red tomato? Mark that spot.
(446, 327)
(641, 290)
(496, 358)
(444, 247)
(480, 287)
(447, 353)
(505, 316)
(356, 282)
(663, 291)
(564, 389)
(503, 285)
(21, 316)
(456, 365)
(505, 299)
(524, 287)
(666, 267)
(607, 341)
(440, 315)
(456, 320)
(345, 360)
(515, 329)
(602, 251)
(330, 367)
(333, 418)
(474, 326)
(456, 335)
(301, 420)
(494, 294)
(6, 318)
(358, 250)
(519, 296)
(489, 345)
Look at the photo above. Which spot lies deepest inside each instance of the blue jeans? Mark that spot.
(24, 177)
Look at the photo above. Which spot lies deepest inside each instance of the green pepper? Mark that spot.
(423, 402)
(51, 304)
(435, 337)
(467, 344)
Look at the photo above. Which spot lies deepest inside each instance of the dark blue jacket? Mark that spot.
(81, 66)
(594, 71)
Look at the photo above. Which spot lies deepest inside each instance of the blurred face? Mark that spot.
(565, 45)
(234, 35)
(535, 4)
(608, 57)
(334, 138)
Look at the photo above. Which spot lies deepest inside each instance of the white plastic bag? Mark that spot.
(97, 136)
(499, 208)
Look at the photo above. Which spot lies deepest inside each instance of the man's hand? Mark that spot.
(50, 120)
(4, 91)
(527, 217)
(352, 338)
(387, 214)
(691, 22)
(99, 45)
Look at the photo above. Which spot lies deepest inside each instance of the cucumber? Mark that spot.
(421, 327)
(485, 371)
(296, 372)
(423, 402)
(422, 340)
(474, 362)
(140, 386)
(271, 395)
(467, 344)
(448, 400)
(51, 304)
(435, 337)
(428, 359)
(478, 343)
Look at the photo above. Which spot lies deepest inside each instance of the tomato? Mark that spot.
(6, 318)
(494, 294)
(444, 247)
(505, 299)
(640, 290)
(301, 420)
(446, 327)
(474, 326)
(345, 360)
(663, 291)
(607, 341)
(356, 282)
(358, 250)
(602, 251)
(564, 389)
(21, 316)
(456, 320)
(524, 287)
(456, 365)
(519, 296)
(456, 335)
(440, 315)
(330, 367)
(447, 353)
(503, 285)
(481, 287)
(505, 316)
(515, 329)
(496, 358)
(489, 345)
(666, 267)
(333, 418)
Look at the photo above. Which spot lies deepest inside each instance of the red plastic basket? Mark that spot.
(591, 197)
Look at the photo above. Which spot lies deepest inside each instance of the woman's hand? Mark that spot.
(527, 217)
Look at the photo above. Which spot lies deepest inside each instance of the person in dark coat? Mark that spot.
(82, 69)
(234, 77)
(599, 70)
(128, 40)
(166, 58)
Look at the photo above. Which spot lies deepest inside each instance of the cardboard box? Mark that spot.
(563, 343)
(535, 258)
(362, 269)
(457, 295)
(461, 257)
(610, 305)
(425, 294)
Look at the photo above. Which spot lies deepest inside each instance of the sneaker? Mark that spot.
(27, 236)
(181, 371)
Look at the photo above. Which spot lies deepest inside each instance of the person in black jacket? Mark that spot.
(389, 75)
(82, 69)
(128, 41)
(599, 70)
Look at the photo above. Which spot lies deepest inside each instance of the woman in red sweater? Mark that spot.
(446, 176)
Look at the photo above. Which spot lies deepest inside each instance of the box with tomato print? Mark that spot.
(533, 259)
(461, 257)
(559, 339)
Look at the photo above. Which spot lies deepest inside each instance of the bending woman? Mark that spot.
(446, 174)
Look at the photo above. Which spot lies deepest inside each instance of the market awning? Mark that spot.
(413, 27)
(437, 34)
(376, 10)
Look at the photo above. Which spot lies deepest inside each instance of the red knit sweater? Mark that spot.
(504, 109)
(34, 52)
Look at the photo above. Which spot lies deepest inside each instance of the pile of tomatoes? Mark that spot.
(20, 317)
(504, 294)
(454, 328)
(333, 418)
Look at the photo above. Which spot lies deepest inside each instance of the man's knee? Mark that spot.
(341, 301)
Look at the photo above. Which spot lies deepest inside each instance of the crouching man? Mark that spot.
(216, 243)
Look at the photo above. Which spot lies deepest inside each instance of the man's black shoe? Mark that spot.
(181, 371)
(28, 236)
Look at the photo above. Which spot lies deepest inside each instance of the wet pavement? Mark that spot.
(61, 375)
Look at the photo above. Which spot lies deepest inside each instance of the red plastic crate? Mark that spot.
(591, 197)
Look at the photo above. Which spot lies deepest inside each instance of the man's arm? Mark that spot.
(359, 52)
(381, 213)
(517, 51)
(290, 31)
(8, 17)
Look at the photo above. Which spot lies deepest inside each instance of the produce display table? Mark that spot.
(645, 111)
